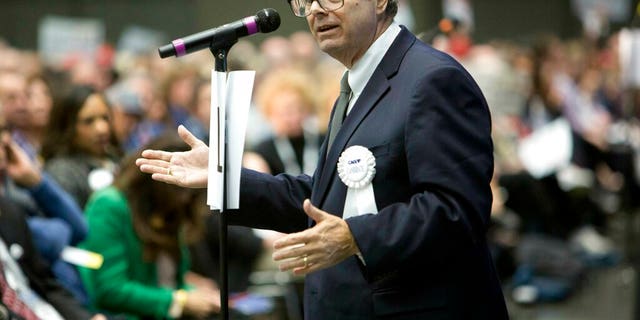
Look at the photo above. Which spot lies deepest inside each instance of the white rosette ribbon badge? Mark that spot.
(356, 169)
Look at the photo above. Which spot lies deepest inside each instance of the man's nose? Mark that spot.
(315, 7)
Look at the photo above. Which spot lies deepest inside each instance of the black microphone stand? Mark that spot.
(220, 48)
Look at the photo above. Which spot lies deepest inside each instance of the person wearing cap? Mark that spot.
(127, 112)
(392, 223)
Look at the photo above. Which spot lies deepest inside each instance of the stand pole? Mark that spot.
(221, 66)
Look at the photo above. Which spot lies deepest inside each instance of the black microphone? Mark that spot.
(265, 21)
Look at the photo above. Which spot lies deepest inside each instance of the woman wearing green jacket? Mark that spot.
(140, 228)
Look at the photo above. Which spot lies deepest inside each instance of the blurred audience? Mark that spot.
(178, 95)
(40, 102)
(55, 219)
(276, 52)
(202, 105)
(305, 53)
(28, 288)
(244, 249)
(27, 102)
(533, 89)
(156, 118)
(287, 101)
(127, 112)
(141, 228)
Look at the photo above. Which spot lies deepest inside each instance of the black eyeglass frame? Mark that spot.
(307, 7)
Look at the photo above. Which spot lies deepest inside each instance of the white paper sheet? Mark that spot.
(239, 89)
(217, 127)
(230, 101)
(548, 149)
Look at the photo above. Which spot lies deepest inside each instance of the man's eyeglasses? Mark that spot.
(302, 8)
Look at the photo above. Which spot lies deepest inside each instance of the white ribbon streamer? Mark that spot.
(356, 169)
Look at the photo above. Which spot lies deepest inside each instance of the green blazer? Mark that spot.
(125, 284)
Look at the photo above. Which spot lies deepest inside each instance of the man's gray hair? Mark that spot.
(392, 8)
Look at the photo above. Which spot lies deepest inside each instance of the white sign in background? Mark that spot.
(60, 38)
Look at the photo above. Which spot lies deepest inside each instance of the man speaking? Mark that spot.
(392, 224)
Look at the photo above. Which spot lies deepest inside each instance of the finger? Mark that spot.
(153, 163)
(291, 241)
(289, 251)
(310, 267)
(157, 154)
(188, 137)
(302, 271)
(147, 168)
(154, 168)
(162, 177)
(313, 212)
(143, 161)
(296, 263)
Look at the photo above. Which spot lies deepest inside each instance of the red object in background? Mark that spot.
(12, 301)
(105, 55)
(459, 44)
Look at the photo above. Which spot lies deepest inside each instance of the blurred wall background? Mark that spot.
(517, 20)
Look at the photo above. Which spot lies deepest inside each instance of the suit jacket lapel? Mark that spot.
(315, 196)
(374, 90)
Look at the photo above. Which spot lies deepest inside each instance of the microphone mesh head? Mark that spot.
(268, 20)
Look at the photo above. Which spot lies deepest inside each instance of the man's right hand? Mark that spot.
(185, 169)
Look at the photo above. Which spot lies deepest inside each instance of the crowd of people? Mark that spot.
(565, 133)
(70, 134)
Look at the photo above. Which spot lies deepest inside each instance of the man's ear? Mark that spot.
(381, 6)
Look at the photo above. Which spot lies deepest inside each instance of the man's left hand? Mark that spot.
(326, 244)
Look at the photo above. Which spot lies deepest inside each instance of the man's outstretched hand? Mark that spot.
(326, 244)
(185, 169)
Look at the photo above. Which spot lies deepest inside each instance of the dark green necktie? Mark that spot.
(341, 109)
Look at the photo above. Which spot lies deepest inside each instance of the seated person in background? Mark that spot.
(244, 248)
(126, 108)
(178, 88)
(142, 228)
(33, 280)
(54, 218)
(81, 149)
(156, 117)
(288, 103)
(29, 128)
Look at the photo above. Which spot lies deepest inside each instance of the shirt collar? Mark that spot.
(362, 70)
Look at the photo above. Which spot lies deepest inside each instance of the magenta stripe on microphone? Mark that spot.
(250, 23)
(181, 50)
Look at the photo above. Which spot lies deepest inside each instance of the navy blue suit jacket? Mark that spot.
(428, 126)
